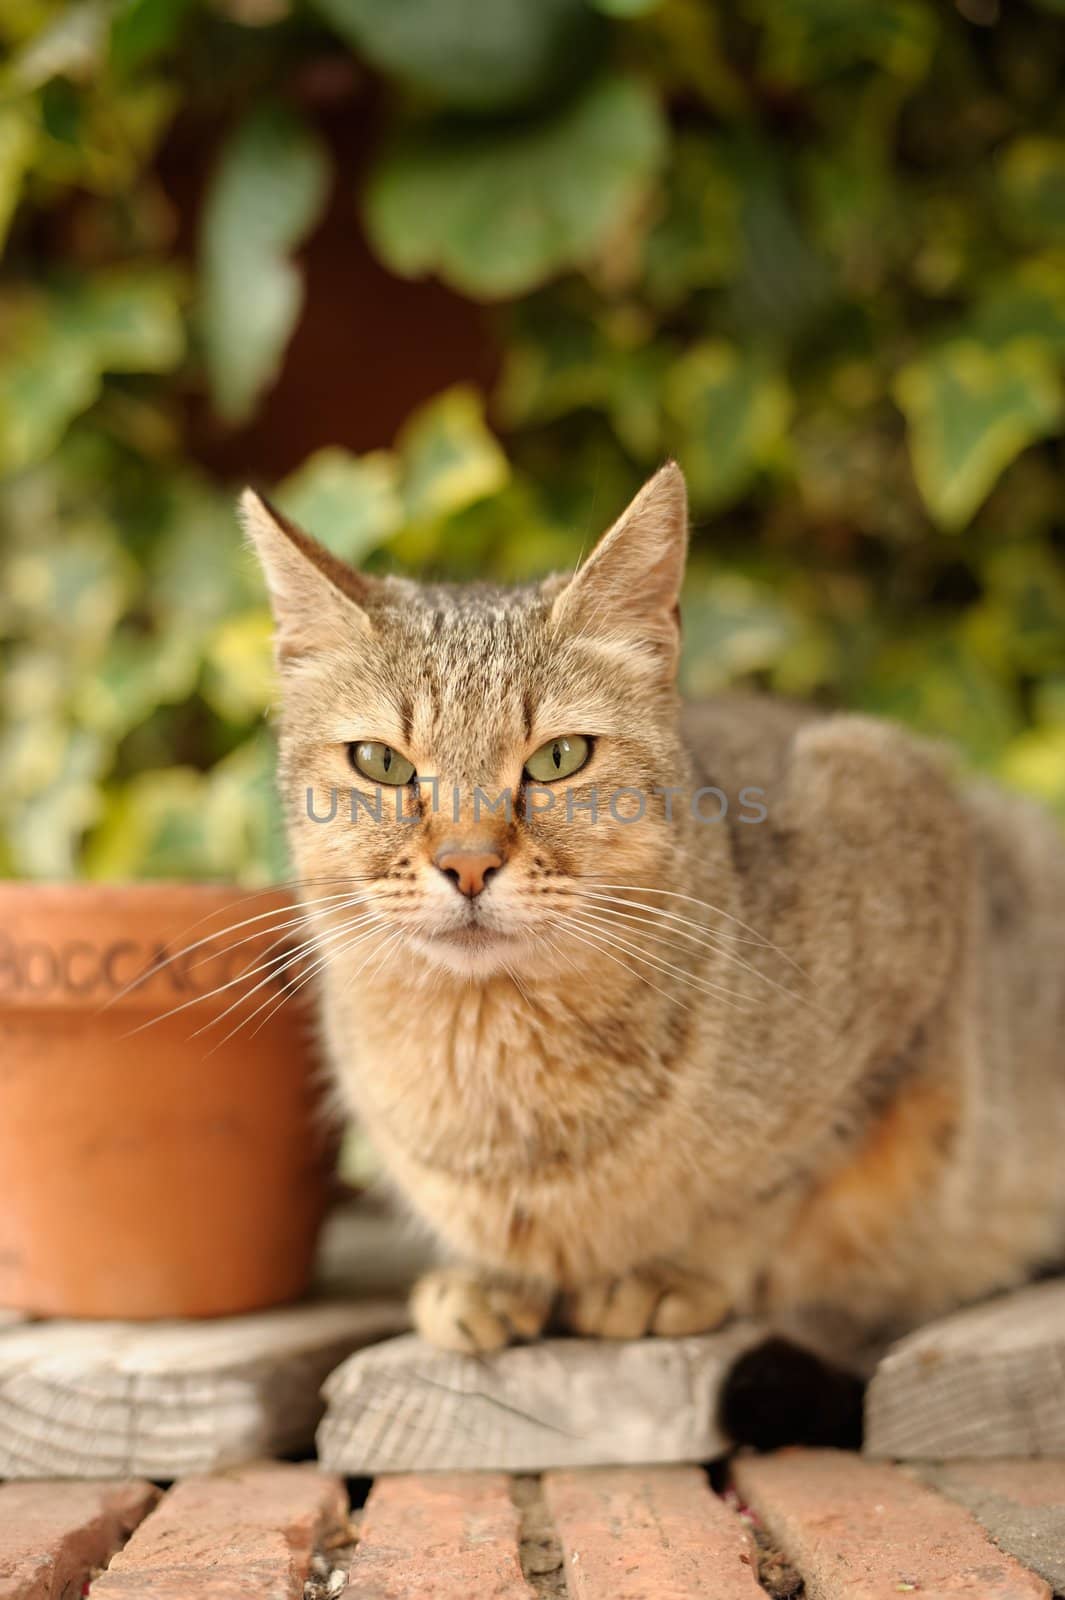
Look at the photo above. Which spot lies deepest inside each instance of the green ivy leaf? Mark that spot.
(36, 681)
(239, 678)
(349, 503)
(935, 684)
(199, 570)
(808, 40)
(18, 140)
(70, 45)
(174, 822)
(103, 141)
(129, 321)
(634, 397)
(472, 54)
(970, 411)
(143, 29)
(782, 282)
(268, 190)
(137, 674)
(1032, 175)
(498, 215)
(32, 753)
(730, 417)
(625, 8)
(65, 342)
(698, 242)
(733, 626)
(244, 816)
(1029, 304)
(46, 833)
(155, 825)
(1035, 762)
(449, 457)
(74, 587)
(558, 363)
(1023, 606)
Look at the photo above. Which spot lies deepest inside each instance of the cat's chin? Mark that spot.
(470, 952)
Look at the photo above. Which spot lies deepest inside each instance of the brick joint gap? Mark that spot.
(776, 1574)
(540, 1549)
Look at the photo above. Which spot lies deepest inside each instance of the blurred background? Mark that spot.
(450, 278)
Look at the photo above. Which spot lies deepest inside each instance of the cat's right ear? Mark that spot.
(627, 591)
(316, 598)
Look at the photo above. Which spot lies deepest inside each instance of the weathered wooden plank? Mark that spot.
(403, 1406)
(249, 1532)
(53, 1535)
(160, 1400)
(987, 1381)
(449, 1536)
(863, 1530)
(630, 1533)
(1020, 1503)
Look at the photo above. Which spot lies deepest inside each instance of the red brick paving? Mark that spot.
(650, 1533)
(854, 1530)
(439, 1536)
(52, 1535)
(862, 1530)
(1020, 1503)
(248, 1532)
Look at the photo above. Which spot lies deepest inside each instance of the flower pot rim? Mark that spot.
(136, 888)
(144, 946)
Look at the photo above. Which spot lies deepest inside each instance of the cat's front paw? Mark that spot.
(646, 1302)
(458, 1310)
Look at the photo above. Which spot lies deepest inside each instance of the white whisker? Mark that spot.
(704, 939)
(706, 905)
(331, 951)
(283, 960)
(281, 963)
(593, 943)
(293, 911)
(619, 941)
(303, 915)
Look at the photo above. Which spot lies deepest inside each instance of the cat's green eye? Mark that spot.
(558, 758)
(380, 763)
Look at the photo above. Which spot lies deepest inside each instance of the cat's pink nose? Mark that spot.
(469, 870)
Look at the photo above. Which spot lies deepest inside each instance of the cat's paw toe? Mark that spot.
(456, 1310)
(695, 1308)
(615, 1308)
(627, 1308)
(452, 1310)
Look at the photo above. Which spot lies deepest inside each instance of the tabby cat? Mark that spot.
(657, 1013)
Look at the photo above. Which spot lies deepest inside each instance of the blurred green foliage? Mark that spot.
(816, 250)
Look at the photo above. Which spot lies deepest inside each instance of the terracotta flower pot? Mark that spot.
(153, 1171)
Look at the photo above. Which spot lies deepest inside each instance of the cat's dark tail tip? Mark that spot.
(779, 1394)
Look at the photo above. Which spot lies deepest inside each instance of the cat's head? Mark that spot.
(456, 754)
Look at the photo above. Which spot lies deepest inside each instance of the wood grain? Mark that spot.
(404, 1407)
(161, 1400)
(988, 1381)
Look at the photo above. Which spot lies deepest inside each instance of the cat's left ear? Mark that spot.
(629, 588)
